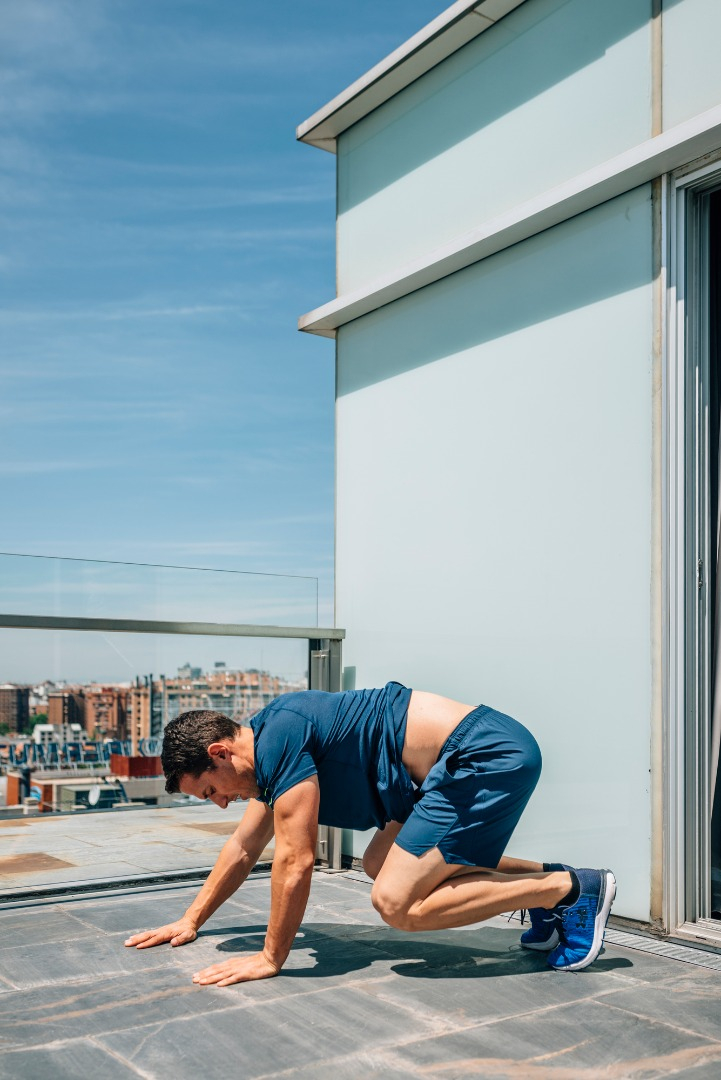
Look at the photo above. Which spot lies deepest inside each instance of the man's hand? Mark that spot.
(177, 933)
(243, 969)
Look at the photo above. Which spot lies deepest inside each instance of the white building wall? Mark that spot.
(691, 65)
(494, 516)
(555, 88)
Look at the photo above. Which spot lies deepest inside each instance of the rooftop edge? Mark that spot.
(450, 31)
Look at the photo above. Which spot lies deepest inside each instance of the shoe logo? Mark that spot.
(576, 917)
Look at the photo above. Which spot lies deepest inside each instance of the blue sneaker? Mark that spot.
(583, 923)
(544, 933)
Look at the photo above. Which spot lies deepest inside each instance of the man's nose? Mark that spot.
(219, 800)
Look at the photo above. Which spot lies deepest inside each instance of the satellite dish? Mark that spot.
(94, 795)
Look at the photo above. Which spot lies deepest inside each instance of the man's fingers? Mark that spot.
(211, 974)
(182, 939)
(149, 938)
(137, 939)
(200, 976)
(147, 943)
(234, 971)
(171, 933)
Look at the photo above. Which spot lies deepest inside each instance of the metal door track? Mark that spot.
(684, 953)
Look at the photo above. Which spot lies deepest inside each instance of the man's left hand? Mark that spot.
(242, 969)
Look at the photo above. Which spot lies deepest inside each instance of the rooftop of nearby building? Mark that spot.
(356, 998)
(76, 849)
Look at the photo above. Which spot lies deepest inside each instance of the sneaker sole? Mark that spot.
(600, 921)
(543, 946)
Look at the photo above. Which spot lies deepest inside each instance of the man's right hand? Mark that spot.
(177, 933)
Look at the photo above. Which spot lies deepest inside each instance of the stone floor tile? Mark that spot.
(29, 965)
(695, 1007)
(71, 1061)
(121, 915)
(50, 1013)
(67, 876)
(709, 1070)
(39, 925)
(483, 990)
(357, 1066)
(288, 1032)
(584, 1041)
(653, 969)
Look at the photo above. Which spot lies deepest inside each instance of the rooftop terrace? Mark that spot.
(64, 850)
(355, 999)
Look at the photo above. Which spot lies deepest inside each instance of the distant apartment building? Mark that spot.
(238, 694)
(39, 697)
(15, 708)
(140, 710)
(66, 707)
(106, 712)
(189, 672)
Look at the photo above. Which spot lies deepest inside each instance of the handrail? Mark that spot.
(151, 626)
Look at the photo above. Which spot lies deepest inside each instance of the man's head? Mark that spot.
(207, 754)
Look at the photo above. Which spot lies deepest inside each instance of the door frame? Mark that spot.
(687, 550)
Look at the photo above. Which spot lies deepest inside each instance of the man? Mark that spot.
(445, 784)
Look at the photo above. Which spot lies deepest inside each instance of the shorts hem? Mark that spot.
(448, 858)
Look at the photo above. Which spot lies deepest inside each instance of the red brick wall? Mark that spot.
(120, 765)
(14, 789)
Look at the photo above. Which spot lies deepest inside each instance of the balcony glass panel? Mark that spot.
(34, 585)
(82, 712)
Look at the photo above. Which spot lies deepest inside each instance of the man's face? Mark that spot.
(231, 779)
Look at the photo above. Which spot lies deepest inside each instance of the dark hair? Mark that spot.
(185, 744)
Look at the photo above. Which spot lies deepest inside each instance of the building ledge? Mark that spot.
(664, 153)
(454, 28)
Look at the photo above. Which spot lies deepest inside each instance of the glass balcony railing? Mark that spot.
(95, 659)
(47, 586)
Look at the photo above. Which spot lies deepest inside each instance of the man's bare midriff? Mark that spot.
(431, 719)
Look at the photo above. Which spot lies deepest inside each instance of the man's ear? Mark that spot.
(219, 750)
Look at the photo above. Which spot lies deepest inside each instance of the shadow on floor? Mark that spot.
(339, 949)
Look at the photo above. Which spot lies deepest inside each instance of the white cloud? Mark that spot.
(117, 314)
(60, 34)
(52, 465)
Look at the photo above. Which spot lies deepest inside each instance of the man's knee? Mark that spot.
(373, 863)
(394, 911)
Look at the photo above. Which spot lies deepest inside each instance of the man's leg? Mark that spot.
(509, 865)
(427, 893)
(377, 852)
(380, 845)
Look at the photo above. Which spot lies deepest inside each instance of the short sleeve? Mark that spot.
(283, 753)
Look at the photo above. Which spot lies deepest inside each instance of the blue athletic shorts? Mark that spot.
(471, 800)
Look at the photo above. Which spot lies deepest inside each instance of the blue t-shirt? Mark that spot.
(353, 741)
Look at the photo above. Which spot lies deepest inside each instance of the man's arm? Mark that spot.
(237, 858)
(296, 829)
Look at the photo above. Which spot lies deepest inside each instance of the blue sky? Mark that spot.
(161, 233)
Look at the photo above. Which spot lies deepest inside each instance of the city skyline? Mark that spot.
(108, 710)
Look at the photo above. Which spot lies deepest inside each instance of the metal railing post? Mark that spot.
(324, 673)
